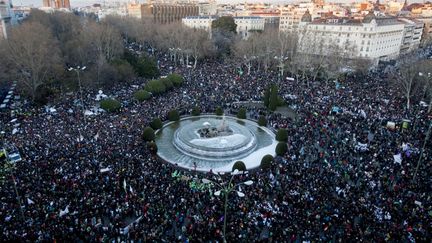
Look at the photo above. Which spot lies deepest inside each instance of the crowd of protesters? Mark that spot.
(346, 176)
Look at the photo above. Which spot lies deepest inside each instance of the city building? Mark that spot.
(199, 22)
(246, 25)
(412, 35)
(168, 12)
(56, 4)
(208, 8)
(422, 10)
(271, 17)
(6, 17)
(134, 10)
(373, 38)
(393, 7)
(427, 30)
(291, 15)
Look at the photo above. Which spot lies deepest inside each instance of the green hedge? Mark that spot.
(196, 111)
(148, 134)
(110, 105)
(282, 135)
(168, 83)
(281, 101)
(146, 67)
(266, 97)
(239, 165)
(266, 161)
(173, 115)
(159, 86)
(155, 86)
(241, 114)
(273, 99)
(281, 149)
(156, 123)
(142, 95)
(262, 121)
(176, 79)
(219, 111)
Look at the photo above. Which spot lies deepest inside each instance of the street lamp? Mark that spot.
(423, 148)
(226, 189)
(7, 167)
(77, 70)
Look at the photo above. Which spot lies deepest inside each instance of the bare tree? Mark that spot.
(337, 60)
(130, 27)
(199, 44)
(246, 51)
(312, 54)
(266, 48)
(407, 78)
(286, 49)
(170, 39)
(106, 44)
(32, 56)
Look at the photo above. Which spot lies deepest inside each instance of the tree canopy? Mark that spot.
(225, 23)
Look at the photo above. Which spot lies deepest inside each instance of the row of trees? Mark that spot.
(269, 49)
(413, 76)
(39, 52)
(184, 45)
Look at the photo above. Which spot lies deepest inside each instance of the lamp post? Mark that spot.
(225, 189)
(77, 70)
(423, 148)
(7, 168)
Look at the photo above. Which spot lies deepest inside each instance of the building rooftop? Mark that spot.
(381, 21)
(248, 17)
(202, 17)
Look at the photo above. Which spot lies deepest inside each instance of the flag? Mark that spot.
(397, 158)
(3, 154)
(124, 184)
(29, 201)
(130, 189)
(64, 212)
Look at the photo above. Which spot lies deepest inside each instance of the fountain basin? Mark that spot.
(181, 143)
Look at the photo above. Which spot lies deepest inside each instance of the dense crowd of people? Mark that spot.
(346, 175)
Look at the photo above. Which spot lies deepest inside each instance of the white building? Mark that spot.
(291, 15)
(121, 11)
(134, 10)
(248, 24)
(208, 8)
(199, 22)
(245, 25)
(412, 35)
(372, 38)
